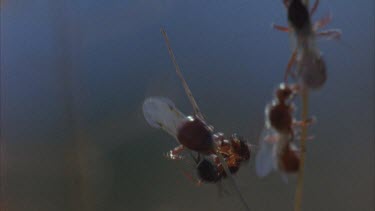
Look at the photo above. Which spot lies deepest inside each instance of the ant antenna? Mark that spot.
(196, 109)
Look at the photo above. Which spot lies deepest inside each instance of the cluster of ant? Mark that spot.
(277, 149)
(235, 150)
(217, 157)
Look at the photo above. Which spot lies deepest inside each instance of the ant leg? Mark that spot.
(304, 123)
(280, 28)
(329, 34)
(322, 22)
(174, 154)
(291, 62)
(314, 7)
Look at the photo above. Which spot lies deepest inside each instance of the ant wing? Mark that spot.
(265, 159)
(161, 112)
(190, 96)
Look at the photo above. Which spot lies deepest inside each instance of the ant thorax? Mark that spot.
(234, 147)
(280, 118)
(279, 114)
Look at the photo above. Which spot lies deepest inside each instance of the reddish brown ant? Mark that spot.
(279, 114)
(276, 150)
(192, 132)
(311, 67)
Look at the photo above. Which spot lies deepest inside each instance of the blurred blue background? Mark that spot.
(75, 73)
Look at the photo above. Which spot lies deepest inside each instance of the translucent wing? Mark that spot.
(265, 160)
(161, 112)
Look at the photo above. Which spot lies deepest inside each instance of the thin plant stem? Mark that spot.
(301, 173)
(299, 188)
(3, 155)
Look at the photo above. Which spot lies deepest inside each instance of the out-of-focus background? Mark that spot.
(74, 75)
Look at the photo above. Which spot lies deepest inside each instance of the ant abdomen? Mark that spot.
(195, 135)
(312, 72)
(289, 161)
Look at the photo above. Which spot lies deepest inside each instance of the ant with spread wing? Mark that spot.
(216, 157)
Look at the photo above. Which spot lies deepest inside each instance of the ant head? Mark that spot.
(298, 14)
(284, 92)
